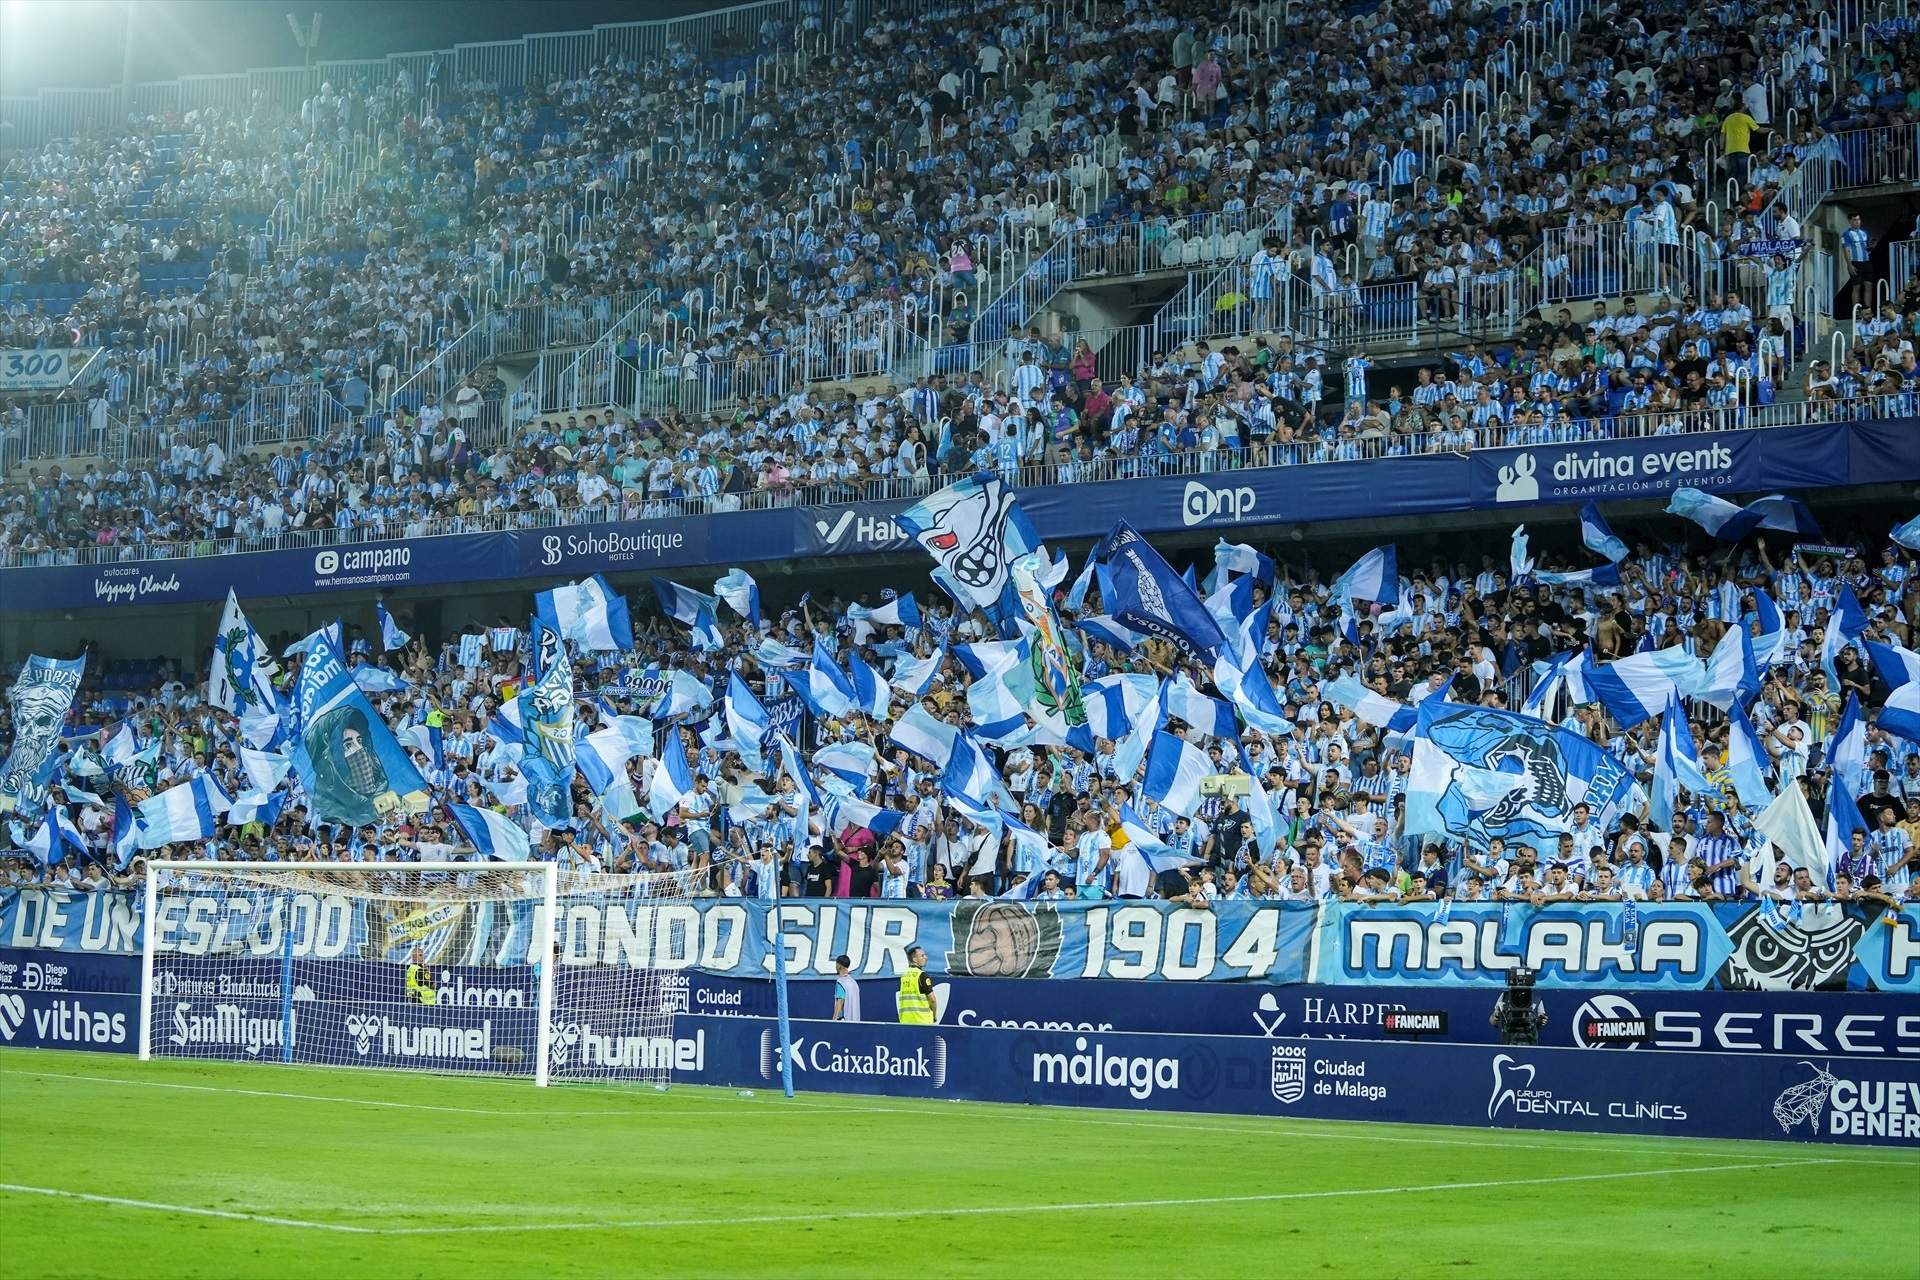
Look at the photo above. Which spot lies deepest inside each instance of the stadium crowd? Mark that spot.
(1687, 366)
(1336, 781)
(798, 230)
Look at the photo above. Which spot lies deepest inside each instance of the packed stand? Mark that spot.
(1337, 781)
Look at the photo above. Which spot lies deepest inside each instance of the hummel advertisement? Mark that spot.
(1796, 1097)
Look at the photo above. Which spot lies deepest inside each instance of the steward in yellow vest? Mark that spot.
(916, 990)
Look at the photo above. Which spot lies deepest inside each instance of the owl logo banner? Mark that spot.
(40, 698)
(1479, 773)
(350, 765)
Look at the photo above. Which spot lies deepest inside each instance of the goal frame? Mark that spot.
(545, 932)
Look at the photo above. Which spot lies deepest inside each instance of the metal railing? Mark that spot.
(1360, 445)
(1903, 263)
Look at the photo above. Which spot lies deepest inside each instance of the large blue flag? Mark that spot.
(1148, 596)
(41, 698)
(1597, 537)
(350, 765)
(1479, 773)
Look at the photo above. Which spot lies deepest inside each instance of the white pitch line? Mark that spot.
(774, 1219)
(301, 1097)
(159, 1207)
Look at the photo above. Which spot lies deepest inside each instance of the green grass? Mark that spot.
(461, 1177)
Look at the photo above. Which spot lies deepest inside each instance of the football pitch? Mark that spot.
(110, 1166)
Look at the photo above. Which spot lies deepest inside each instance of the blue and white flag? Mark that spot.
(472, 647)
(671, 779)
(1103, 628)
(1845, 622)
(1479, 773)
(1843, 819)
(41, 698)
(256, 806)
(265, 770)
(1175, 770)
(741, 593)
(1901, 714)
(747, 722)
(1265, 818)
(901, 611)
(56, 835)
(125, 845)
(914, 677)
(970, 772)
(391, 636)
(851, 811)
(687, 696)
(1366, 705)
(1149, 848)
(1675, 765)
(1209, 715)
(871, 692)
(493, 835)
(1131, 750)
(926, 736)
(1076, 597)
(1115, 702)
(1896, 664)
(776, 656)
(823, 686)
(372, 679)
(306, 643)
(998, 697)
(1375, 576)
(1149, 597)
(1772, 639)
(1907, 534)
(184, 812)
(974, 530)
(1635, 688)
(1732, 673)
(1846, 747)
(549, 726)
(602, 756)
(1747, 761)
(1561, 671)
(1597, 537)
(350, 765)
(241, 679)
(590, 614)
(1606, 575)
(1731, 523)
(1237, 557)
(850, 765)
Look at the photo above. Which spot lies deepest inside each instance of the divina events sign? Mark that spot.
(1641, 468)
(1676, 946)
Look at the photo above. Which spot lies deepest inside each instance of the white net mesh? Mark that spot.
(624, 944)
(395, 966)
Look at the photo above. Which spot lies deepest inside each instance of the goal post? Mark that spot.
(508, 968)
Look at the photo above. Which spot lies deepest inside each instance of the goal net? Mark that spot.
(510, 968)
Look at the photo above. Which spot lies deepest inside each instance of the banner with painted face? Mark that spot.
(350, 766)
(41, 698)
